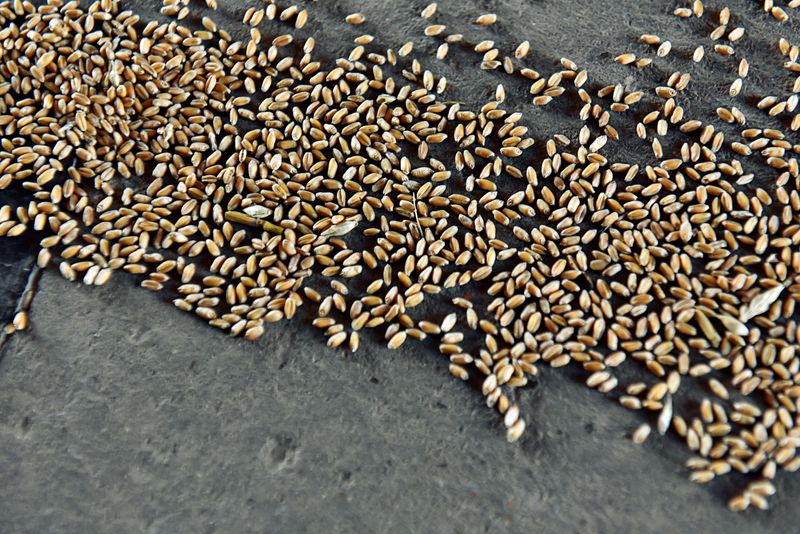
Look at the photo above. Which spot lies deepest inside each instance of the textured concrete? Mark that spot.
(134, 418)
(120, 414)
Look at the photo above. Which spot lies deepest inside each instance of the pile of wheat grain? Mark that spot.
(246, 180)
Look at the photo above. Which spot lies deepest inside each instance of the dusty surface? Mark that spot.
(120, 414)
(133, 418)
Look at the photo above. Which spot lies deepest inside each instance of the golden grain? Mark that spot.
(681, 262)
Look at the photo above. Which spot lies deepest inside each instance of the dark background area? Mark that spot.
(120, 414)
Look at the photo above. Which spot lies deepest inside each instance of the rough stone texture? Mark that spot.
(120, 414)
(17, 258)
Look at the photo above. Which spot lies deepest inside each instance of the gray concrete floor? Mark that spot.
(120, 414)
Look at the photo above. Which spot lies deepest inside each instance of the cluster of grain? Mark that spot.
(247, 180)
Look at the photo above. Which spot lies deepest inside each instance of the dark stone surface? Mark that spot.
(16, 260)
(136, 418)
(120, 414)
